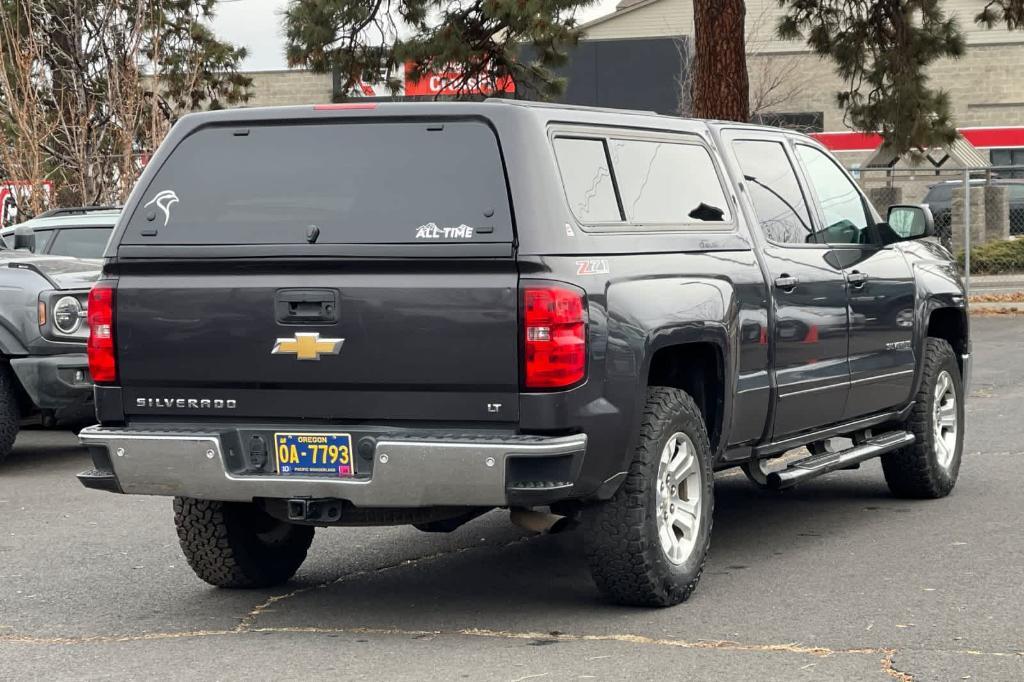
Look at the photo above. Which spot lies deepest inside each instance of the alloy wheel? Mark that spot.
(678, 498)
(944, 419)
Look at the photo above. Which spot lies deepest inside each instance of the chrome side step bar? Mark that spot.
(818, 465)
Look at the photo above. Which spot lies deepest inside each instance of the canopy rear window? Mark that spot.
(350, 182)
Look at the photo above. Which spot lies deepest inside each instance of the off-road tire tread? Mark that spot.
(221, 545)
(909, 472)
(10, 411)
(614, 535)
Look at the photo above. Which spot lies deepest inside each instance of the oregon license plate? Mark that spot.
(320, 454)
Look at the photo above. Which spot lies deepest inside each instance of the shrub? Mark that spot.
(996, 258)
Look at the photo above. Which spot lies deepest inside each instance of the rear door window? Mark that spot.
(774, 191)
(356, 182)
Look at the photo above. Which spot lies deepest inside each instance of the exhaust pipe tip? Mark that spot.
(535, 521)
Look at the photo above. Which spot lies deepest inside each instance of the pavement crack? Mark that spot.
(248, 621)
(889, 668)
(887, 662)
(666, 642)
(111, 639)
(530, 677)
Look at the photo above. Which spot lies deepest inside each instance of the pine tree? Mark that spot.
(196, 69)
(479, 40)
(720, 83)
(881, 51)
(1009, 12)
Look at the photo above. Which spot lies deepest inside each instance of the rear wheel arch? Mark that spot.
(698, 368)
(647, 544)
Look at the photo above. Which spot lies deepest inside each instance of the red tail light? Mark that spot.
(554, 337)
(102, 355)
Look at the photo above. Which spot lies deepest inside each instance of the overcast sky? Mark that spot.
(256, 24)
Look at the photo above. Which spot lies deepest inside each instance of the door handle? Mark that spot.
(786, 282)
(306, 306)
(857, 278)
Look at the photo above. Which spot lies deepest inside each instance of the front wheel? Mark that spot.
(10, 413)
(647, 545)
(237, 544)
(929, 468)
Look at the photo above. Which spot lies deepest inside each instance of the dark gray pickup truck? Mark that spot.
(367, 314)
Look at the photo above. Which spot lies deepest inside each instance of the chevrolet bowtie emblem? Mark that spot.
(307, 346)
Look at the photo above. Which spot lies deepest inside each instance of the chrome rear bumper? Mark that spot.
(965, 360)
(406, 472)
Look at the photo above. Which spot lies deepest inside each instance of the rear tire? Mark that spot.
(238, 545)
(647, 545)
(10, 411)
(929, 468)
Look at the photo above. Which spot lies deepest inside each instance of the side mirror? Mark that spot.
(24, 238)
(911, 221)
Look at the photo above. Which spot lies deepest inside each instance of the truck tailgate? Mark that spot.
(436, 340)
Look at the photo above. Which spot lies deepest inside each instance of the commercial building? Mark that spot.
(636, 57)
(633, 73)
(790, 85)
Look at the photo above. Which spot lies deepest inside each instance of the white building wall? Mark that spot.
(986, 86)
(645, 19)
(675, 17)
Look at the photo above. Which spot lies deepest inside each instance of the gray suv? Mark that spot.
(77, 232)
(43, 330)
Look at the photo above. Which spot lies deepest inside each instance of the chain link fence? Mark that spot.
(979, 212)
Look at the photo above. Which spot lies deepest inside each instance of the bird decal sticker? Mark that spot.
(164, 200)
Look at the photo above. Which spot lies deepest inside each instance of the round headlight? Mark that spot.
(67, 315)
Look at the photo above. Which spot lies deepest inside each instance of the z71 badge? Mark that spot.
(597, 266)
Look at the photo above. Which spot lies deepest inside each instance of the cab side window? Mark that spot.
(774, 190)
(846, 217)
(667, 183)
(641, 181)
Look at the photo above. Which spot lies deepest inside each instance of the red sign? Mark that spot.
(12, 190)
(451, 82)
(983, 138)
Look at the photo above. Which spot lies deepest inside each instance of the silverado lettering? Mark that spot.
(188, 403)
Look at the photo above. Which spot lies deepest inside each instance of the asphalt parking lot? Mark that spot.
(833, 580)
